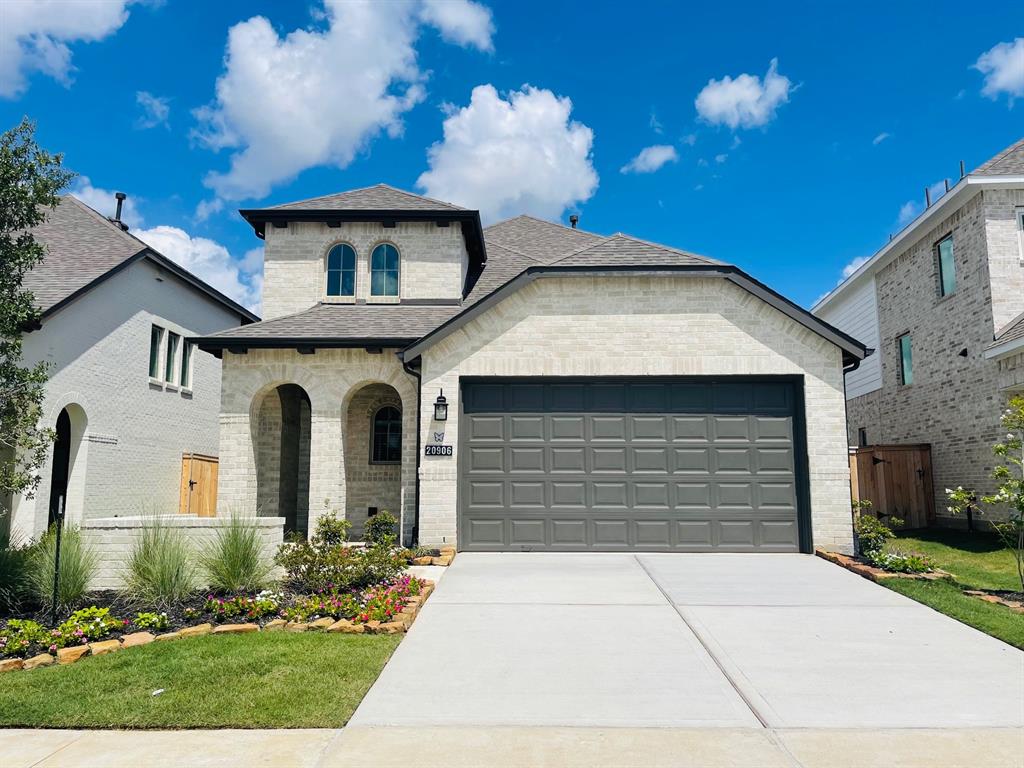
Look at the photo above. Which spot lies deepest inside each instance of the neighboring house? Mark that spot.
(127, 395)
(943, 303)
(528, 386)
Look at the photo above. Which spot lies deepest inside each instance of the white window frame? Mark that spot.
(172, 358)
(185, 381)
(159, 353)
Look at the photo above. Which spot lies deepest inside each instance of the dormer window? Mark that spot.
(384, 270)
(341, 270)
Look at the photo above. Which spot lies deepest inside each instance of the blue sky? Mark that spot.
(789, 139)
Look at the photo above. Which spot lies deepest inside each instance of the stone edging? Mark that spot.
(71, 654)
(871, 572)
(446, 557)
(1013, 605)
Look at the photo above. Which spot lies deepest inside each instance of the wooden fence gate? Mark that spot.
(897, 480)
(198, 485)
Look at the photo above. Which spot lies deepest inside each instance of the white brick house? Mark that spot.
(602, 393)
(943, 302)
(126, 394)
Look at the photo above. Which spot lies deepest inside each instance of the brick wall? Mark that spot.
(640, 326)
(433, 262)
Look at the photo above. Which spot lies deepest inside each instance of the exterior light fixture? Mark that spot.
(441, 408)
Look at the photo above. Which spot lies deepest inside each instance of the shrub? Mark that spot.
(157, 621)
(21, 636)
(264, 604)
(872, 533)
(77, 567)
(15, 580)
(85, 626)
(337, 606)
(160, 566)
(380, 529)
(902, 562)
(234, 561)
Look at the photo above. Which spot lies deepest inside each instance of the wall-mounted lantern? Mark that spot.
(441, 408)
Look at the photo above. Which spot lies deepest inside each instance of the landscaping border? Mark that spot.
(872, 573)
(72, 654)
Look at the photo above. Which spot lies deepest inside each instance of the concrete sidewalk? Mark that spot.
(513, 747)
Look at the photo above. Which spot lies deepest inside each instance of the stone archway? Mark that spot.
(281, 442)
(67, 464)
(373, 467)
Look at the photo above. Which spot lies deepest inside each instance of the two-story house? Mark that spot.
(528, 386)
(943, 303)
(127, 395)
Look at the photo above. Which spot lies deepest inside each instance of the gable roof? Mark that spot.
(1004, 170)
(379, 197)
(538, 239)
(84, 248)
(1009, 341)
(620, 249)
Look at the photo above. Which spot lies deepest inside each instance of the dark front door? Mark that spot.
(644, 464)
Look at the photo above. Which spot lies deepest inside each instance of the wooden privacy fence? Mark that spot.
(198, 485)
(897, 480)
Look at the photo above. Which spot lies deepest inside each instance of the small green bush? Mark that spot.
(264, 604)
(872, 533)
(15, 576)
(234, 561)
(157, 621)
(160, 568)
(381, 529)
(902, 562)
(86, 626)
(77, 567)
(20, 637)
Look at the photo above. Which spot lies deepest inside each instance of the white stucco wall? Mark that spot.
(610, 326)
(97, 347)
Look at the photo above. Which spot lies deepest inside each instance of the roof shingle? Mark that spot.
(379, 197)
(1009, 162)
(537, 239)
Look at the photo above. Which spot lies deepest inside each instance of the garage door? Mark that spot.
(693, 464)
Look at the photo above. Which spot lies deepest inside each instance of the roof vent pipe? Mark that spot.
(120, 197)
(962, 172)
(947, 184)
(573, 220)
(927, 198)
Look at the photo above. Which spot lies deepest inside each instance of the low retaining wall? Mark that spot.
(112, 539)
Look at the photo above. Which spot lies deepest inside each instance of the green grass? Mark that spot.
(976, 561)
(274, 680)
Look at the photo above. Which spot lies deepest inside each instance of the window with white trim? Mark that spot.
(384, 270)
(171, 367)
(156, 342)
(186, 366)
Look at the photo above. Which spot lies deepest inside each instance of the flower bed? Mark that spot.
(873, 572)
(94, 631)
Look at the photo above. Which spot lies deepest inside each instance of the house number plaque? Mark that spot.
(437, 450)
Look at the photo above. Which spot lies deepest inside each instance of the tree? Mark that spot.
(30, 181)
(1009, 477)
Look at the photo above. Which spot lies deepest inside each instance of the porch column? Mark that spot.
(236, 485)
(326, 465)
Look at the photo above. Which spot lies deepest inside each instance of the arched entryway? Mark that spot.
(67, 465)
(281, 432)
(373, 454)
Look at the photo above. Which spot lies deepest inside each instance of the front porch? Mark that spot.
(328, 430)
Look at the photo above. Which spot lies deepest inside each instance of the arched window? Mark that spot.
(387, 436)
(384, 270)
(341, 271)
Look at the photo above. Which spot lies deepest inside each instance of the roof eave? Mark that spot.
(1006, 349)
(215, 344)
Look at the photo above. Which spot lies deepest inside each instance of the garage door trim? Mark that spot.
(797, 413)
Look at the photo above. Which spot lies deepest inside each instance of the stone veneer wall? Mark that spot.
(433, 262)
(954, 402)
(368, 484)
(332, 379)
(608, 326)
(112, 538)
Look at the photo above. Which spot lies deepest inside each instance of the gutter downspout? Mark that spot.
(407, 366)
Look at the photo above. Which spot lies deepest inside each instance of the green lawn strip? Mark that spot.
(275, 680)
(977, 560)
(948, 598)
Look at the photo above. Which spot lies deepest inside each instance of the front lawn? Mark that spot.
(257, 680)
(976, 561)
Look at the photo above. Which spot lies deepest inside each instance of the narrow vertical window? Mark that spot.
(156, 337)
(906, 359)
(387, 436)
(947, 267)
(384, 270)
(172, 356)
(341, 270)
(862, 437)
(186, 365)
(1020, 230)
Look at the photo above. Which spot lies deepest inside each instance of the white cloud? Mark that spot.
(34, 36)
(651, 159)
(241, 280)
(853, 266)
(155, 110)
(880, 138)
(746, 101)
(721, 158)
(509, 156)
(1003, 67)
(319, 96)
(911, 209)
(103, 201)
(460, 21)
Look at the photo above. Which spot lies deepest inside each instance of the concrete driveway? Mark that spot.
(687, 641)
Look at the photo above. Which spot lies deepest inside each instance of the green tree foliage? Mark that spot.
(30, 181)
